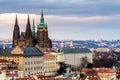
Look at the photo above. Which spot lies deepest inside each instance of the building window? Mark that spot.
(26, 69)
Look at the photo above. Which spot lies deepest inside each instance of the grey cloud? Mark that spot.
(62, 7)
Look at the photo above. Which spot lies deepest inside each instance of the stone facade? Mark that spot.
(49, 64)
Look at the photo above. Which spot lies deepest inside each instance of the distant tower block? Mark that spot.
(62, 44)
(71, 44)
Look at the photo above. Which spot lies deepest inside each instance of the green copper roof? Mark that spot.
(33, 29)
(42, 23)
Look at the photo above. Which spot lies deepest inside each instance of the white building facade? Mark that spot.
(73, 56)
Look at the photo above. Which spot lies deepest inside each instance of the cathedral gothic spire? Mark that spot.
(28, 32)
(16, 32)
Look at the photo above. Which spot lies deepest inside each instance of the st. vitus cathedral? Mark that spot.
(30, 38)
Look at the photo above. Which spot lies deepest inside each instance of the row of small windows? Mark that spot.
(53, 59)
(49, 64)
(49, 67)
(35, 57)
(35, 62)
(35, 73)
(34, 68)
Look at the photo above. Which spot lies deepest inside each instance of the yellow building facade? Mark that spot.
(49, 64)
(59, 55)
(29, 60)
(106, 74)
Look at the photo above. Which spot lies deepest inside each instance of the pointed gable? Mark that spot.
(17, 50)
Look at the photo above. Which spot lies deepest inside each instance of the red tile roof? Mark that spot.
(9, 73)
(47, 55)
(68, 78)
(104, 70)
(40, 76)
(25, 79)
(4, 61)
(92, 78)
(100, 70)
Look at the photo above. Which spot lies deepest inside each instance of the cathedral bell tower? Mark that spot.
(16, 33)
(28, 34)
(43, 40)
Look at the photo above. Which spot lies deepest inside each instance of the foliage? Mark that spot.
(89, 65)
(62, 68)
(84, 62)
(104, 62)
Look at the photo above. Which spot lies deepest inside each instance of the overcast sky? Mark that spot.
(66, 19)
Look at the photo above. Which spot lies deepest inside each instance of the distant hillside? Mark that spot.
(5, 42)
(90, 43)
(82, 43)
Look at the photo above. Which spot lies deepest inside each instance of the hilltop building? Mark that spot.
(30, 38)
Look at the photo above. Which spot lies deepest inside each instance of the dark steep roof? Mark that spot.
(32, 51)
(75, 50)
(29, 51)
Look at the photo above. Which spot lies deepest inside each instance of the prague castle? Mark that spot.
(30, 38)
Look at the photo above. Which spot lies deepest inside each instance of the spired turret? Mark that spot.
(33, 30)
(71, 44)
(34, 34)
(62, 44)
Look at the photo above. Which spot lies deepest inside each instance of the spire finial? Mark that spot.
(16, 21)
(42, 17)
(28, 21)
(41, 13)
(71, 44)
